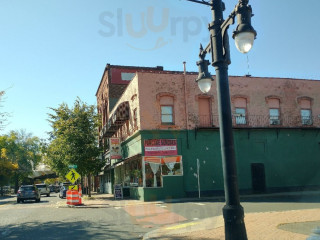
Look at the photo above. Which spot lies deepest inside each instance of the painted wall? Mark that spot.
(146, 89)
(171, 190)
(290, 157)
(255, 90)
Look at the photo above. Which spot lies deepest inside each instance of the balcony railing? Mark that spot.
(116, 120)
(205, 121)
(261, 121)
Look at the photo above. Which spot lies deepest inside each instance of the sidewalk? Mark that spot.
(294, 224)
(266, 226)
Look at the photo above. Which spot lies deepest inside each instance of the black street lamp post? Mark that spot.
(244, 36)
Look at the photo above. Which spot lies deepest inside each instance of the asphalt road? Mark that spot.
(48, 220)
(45, 220)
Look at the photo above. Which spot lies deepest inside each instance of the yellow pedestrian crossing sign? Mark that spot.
(73, 187)
(73, 176)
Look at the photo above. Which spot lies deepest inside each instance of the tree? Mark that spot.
(22, 150)
(74, 139)
(7, 169)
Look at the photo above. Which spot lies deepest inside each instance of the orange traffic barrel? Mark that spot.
(80, 195)
(72, 197)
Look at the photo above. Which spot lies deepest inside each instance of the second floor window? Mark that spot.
(274, 116)
(306, 118)
(241, 116)
(166, 114)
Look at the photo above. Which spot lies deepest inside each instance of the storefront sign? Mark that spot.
(160, 147)
(118, 193)
(115, 148)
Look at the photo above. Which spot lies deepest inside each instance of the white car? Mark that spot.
(43, 189)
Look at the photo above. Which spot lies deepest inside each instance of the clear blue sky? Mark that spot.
(53, 51)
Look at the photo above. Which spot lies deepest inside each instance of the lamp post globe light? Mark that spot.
(218, 46)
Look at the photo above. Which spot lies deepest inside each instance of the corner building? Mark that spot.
(161, 140)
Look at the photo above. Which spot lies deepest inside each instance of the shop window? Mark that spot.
(153, 174)
(171, 166)
(157, 167)
(166, 114)
(129, 174)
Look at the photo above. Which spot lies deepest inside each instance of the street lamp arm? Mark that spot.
(201, 2)
(203, 52)
(224, 26)
(229, 21)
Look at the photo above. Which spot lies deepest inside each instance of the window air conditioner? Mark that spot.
(274, 122)
(307, 122)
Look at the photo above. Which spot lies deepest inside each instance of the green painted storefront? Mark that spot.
(281, 159)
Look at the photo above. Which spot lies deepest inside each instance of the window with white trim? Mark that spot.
(274, 115)
(167, 114)
(240, 116)
(306, 117)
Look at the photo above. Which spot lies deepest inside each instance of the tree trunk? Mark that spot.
(89, 185)
(16, 183)
(82, 185)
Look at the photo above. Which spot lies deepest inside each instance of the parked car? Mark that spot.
(44, 189)
(5, 190)
(63, 189)
(28, 192)
(54, 188)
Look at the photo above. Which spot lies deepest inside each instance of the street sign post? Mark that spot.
(73, 176)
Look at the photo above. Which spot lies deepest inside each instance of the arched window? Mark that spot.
(274, 110)
(205, 113)
(240, 106)
(305, 110)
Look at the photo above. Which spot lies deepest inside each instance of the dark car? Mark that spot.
(28, 192)
(63, 189)
(54, 188)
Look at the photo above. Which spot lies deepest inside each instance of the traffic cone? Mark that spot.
(80, 195)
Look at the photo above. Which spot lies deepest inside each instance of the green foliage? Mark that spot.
(50, 181)
(20, 150)
(7, 168)
(74, 139)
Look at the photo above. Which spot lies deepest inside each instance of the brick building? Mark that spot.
(161, 134)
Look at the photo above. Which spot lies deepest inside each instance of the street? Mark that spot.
(45, 220)
(51, 219)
